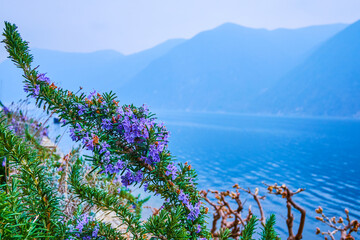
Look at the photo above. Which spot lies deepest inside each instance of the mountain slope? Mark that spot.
(224, 68)
(327, 83)
(100, 70)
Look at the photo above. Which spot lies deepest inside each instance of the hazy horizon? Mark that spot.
(130, 27)
(3, 54)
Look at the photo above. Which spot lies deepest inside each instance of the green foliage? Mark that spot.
(15, 223)
(249, 229)
(183, 213)
(269, 232)
(37, 198)
(109, 202)
(170, 225)
(224, 234)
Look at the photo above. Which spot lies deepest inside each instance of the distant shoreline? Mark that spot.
(265, 115)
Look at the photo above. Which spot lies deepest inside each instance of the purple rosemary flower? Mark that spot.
(92, 94)
(171, 170)
(82, 221)
(45, 132)
(105, 152)
(27, 88)
(89, 142)
(36, 90)
(138, 176)
(95, 231)
(41, 77)
(116, 168)
(76, 133)
(144, 109)
(4, 162)
(106, 124)
(128, 178)
(120, 111)
(154, 154)
(184, 198)
(73, 135)
(194, 211)
(146, 185)
(104, 148)
(82, 109)
(198, 228)
(120, 164)
(6, 110)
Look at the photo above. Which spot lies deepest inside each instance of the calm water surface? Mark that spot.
(321, 155)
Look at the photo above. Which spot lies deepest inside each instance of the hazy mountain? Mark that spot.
(102, 70)
(327, 83)
(223, 69)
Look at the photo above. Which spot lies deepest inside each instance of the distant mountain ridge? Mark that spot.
(227, 69)
(327, 83)
(223, 69)
(101, 70)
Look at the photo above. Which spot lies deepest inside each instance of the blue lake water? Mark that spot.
(321, 155)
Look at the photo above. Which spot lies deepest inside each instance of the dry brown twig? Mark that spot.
(338, 225)
(223, 211)
(155, 211)
(286, 193)
(257, 199)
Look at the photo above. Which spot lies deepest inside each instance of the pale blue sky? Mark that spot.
(133, 25)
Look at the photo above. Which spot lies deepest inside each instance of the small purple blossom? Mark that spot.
(75, 133)
(104, 150)
(82, 221)
(194, 211)
(184, 198)
(106, 124)
(82, 109)
(138, 176)
(95, 231)
(120, 111)
(128, 178)
(26, 88)
(116, 168)
(45, 132)
(144, 109)
(6, 110)
(104, 147)
(171, 170)
(36, 90)
(41, 77)
(120, 164)
(4, 162)
(92, 94)
(89, 144)
(198, 228)
(146, 185)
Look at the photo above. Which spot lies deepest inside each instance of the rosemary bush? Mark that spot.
(127, 145)
(45, 196)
